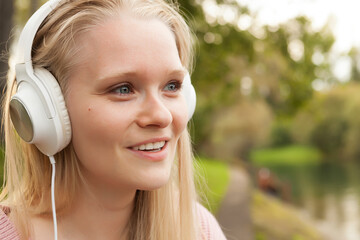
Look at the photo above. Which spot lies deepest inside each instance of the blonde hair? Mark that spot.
(162, 214)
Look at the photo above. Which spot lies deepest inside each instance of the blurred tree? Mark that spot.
(303, 52)
(216, 87)
(239, 60)
(354, 54)
(34, 5)
(6, 24)
(280, 134)
(330, 122)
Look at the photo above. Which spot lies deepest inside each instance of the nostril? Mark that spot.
(155, 113)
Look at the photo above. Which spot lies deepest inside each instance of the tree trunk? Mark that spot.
(34, 4)
(6, 24)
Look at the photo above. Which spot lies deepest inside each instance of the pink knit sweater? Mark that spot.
(209, 226)
(7, 228)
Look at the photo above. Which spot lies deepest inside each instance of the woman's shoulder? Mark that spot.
(7, 228)
(210, 228)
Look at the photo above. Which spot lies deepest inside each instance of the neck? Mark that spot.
(98, 213)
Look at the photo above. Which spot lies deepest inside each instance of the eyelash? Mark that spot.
(117, 90)
(177, 84)
(119, 87)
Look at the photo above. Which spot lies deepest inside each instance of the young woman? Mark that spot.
(127, 171)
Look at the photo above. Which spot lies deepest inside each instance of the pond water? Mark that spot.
(329, 193)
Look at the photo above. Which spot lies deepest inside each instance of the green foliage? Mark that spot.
(330, 122)
(293, 155)
(213, 180)
(260, 236)
(329, 134)
(354, 55)
(298, 72)
(226, 55)
(281, 134)
(237, 129)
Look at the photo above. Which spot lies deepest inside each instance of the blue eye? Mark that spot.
(123, 89)
(173, 86)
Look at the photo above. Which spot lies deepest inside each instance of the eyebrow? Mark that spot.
(175, 72)
(178, 72)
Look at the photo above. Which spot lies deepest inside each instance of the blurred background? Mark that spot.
(277, 124)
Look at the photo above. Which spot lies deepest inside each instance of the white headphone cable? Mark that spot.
(52, 161)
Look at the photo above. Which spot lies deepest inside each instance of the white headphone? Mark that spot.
(38, 110)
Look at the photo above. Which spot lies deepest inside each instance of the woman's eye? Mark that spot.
(123, 89)
(173, 86)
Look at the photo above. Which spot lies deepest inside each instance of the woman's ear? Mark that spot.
(189, 94)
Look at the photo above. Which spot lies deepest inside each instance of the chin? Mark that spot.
(154, 183)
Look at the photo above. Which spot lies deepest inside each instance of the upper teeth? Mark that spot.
(150, 146)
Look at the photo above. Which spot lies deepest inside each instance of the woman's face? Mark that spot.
(126, 109)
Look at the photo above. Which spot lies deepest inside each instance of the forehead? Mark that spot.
(134, 42)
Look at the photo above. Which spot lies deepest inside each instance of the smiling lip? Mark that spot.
(152, 146)
(154, 150)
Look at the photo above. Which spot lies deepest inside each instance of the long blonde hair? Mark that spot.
(162, 214)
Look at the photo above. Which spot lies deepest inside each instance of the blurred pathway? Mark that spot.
(234, 213)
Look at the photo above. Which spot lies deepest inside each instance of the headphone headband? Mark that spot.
(25, 43)
(28, 34)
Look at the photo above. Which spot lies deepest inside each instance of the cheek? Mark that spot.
(180, 116)
(98, 124)
(84, 116)
(97, 134)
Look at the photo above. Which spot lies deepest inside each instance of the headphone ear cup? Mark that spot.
(57, 98)
(50, 132)
(190, 95)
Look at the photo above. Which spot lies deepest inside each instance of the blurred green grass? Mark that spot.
(288, 155)
(274, 219)
(212, 180)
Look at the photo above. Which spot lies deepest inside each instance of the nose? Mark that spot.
(154, 112)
